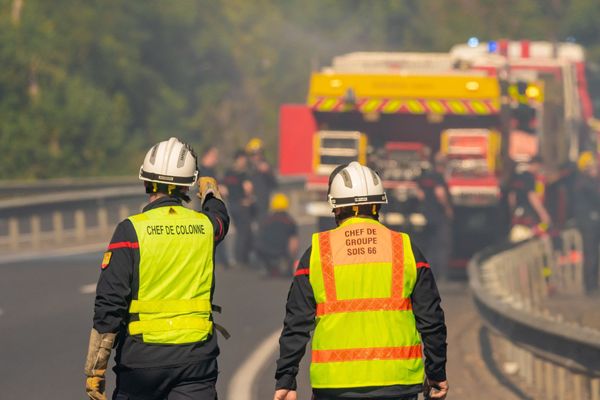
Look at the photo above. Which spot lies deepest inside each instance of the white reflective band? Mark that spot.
(170, 324)
(170, 306)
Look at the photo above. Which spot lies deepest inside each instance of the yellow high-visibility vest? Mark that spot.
(362, 275)
(173, 303)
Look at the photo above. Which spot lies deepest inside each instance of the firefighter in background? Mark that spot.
(587, 215)
(372, 301)
(261, 175)
(438, 210)
(529, 215)
(154, 294)
(241, 200)
(277, 239)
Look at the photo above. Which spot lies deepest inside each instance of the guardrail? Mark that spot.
(553, 358)
(69, 218)
(65, 219)
(41, 187)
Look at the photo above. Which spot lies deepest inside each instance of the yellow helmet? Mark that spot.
(586, 160)
(254, 145)
(280, 202)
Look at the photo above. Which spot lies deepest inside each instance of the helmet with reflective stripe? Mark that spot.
(354, 184)
(171, 162)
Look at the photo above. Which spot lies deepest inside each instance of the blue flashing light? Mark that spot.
(492, 46)
(473, 42)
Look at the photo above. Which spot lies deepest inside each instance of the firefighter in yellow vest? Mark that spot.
(154, 295)
(372, 301)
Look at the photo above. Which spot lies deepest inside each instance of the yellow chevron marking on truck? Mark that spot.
(415, 107)
(371, 105)
(479, 107)
(436, 106)
(457, 107)
(392, 106)
(328, 104)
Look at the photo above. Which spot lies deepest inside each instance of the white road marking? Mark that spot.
(242, 385)
(1, 312)
(88, 289)
(37, 255)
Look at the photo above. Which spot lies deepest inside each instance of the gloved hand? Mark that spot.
(208, 185)
(285, 394)
(95, 387)
(435, 389)
(96, 363)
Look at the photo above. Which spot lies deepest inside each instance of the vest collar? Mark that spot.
(162, 202)
(358, 220)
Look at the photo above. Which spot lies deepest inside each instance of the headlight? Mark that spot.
(394, 218)
(417, 219)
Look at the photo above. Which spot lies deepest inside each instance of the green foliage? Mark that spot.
(87, 86)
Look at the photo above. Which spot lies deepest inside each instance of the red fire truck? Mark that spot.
(390, 111)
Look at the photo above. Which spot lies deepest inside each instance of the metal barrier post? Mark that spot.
(102, 220)
(13, 233)
(561, 382)
(79, 225)
(528, 369)
(58, 226)
(36, 230)
(538, 371)
(578, 386)
(549, 381)
(123, 212)
(595, 387)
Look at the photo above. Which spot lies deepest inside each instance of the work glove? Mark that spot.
(435, 389)
(208, 185)
(95, 387)
(96, 363)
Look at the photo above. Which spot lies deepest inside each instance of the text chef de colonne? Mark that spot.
(191, 229)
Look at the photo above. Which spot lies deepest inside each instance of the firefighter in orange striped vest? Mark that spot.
(372, 301)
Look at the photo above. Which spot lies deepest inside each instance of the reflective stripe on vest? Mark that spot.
(383, 353)
(171, 324)
(173, 302)
(174, 306)
(362, 276)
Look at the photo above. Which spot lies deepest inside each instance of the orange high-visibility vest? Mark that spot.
(362, 275)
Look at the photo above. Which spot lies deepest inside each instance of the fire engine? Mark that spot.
(392, 111)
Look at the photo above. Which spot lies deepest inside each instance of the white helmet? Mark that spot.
(171, 162)
(355, 184)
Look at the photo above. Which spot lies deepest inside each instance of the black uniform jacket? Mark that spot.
(118, 280)
(300, 320)
(432, 208)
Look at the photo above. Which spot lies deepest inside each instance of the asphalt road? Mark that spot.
(46, 311)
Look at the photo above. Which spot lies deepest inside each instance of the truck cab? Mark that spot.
(472, 166)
